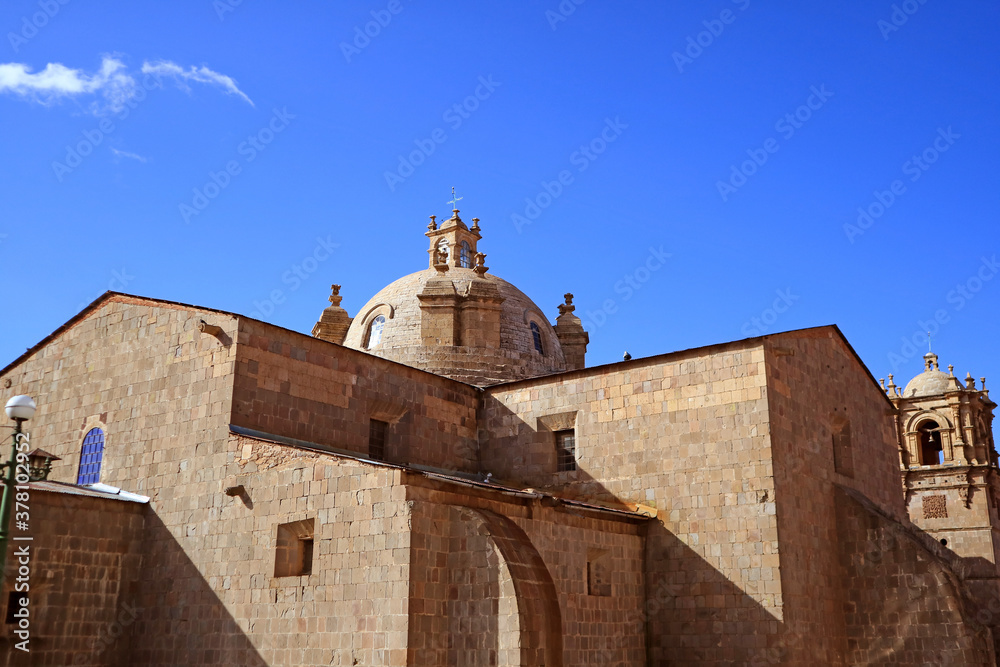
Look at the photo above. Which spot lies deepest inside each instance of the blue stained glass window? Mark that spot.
(537, 336)
(90, 457)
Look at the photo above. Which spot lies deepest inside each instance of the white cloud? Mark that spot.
(112, 81)
(132, 156)
(164, 68)
(56, 81)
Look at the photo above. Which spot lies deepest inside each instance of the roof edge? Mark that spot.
(112, 296)
(94, 305)
(665, 356)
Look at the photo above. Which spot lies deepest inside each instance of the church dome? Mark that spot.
(492, 332)
(932, 381)
(457, 320)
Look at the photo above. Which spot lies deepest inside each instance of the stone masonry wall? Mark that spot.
(686, 433)
(350, 609)
(958, 505)
(818, 391)
(300, 387)
(903, 604)
(597, 625)
(85, 559)
(455, 589)
(140, 370)
(161, 391)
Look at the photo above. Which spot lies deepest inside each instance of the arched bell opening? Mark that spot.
(929, 439)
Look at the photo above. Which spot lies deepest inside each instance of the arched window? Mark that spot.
(465, 255)
(90, 457)
(537, 336)
(375, 332)
(930, 444)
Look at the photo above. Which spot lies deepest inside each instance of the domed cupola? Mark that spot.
(456, 319)
(932, 381)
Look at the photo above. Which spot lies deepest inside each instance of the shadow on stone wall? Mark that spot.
(694, 614)
(905, 604)
(911, 607)
(464, 563)
(182, 621)
(84, 560)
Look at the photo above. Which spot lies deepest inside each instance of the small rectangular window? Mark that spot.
(565, 451)
(376, 439)
(294, 549)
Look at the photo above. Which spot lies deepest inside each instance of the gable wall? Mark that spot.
(159, 389)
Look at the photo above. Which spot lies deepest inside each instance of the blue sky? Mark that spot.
(220, 154)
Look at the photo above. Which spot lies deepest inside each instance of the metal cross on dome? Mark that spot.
(454, 200)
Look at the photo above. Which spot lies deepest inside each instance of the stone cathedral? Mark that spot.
(441, 480)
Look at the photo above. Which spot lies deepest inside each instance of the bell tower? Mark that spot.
(948, 461)
(451, 316)
(453, 243)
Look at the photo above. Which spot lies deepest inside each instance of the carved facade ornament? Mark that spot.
(935, 507)
(480, 266)
(335, 297)
(441, 254)
(965, 493)
(567, 307)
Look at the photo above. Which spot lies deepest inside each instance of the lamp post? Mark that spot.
(20, 409)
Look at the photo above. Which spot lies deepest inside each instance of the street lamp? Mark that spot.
(20, 409)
